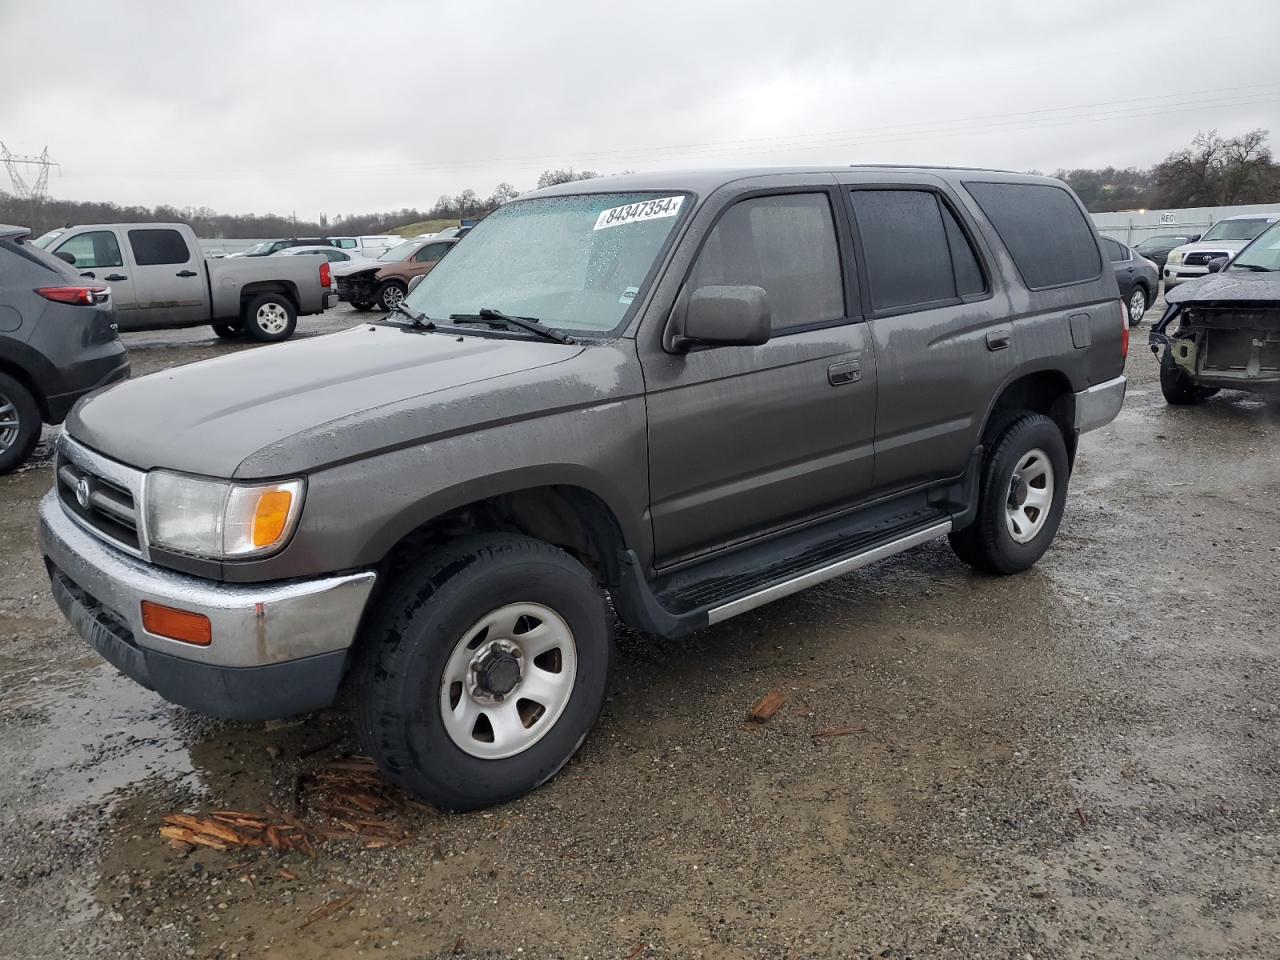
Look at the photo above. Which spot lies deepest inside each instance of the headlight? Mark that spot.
(1175, 256)
(217, 519)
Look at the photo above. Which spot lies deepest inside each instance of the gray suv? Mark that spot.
(676, 397)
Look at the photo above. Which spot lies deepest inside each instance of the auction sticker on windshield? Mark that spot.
(635, 212)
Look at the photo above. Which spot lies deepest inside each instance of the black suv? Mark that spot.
(58, 341)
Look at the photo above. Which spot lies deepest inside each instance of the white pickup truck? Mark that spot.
(159, 278)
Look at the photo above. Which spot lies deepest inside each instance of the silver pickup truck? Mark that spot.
(159, 278)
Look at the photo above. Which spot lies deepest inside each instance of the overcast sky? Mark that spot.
(347, 107)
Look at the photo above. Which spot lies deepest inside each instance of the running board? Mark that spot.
(681, 603)
(805, 580)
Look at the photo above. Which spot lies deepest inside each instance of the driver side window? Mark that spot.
(785, 244)
(96, 249)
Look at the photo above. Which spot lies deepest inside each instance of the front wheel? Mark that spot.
(1020, 498)
(484, 671)
(1137, 305)
(391, 294)
(1178, 388)
(270, 318)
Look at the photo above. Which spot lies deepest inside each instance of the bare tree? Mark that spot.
(549, 178)
(1213, 171)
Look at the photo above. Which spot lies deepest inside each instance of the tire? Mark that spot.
(391, 293)
(1179, 389)
(228, 331)
(20, 422)
(364, 306)
(270, 318)
(1139, 301)
(1025, 461)
(419, 638)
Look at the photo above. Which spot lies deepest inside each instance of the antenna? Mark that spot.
(28, 191)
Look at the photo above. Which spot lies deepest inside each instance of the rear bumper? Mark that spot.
(1099, 405)
(278, 649)
(84, 377)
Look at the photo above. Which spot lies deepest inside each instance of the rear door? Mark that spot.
(942, 330)
(744, 440)
(169, 278)
(99, 257)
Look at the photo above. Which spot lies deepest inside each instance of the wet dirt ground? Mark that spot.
(1077, 762)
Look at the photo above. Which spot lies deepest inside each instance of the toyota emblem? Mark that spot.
(82, 492)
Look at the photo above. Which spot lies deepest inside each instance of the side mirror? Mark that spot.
(69, 257)
(1217, 263)
(726, 316)
(415, 281)
(1193, 239)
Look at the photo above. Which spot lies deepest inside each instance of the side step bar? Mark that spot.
(805, 580)
(641, 608)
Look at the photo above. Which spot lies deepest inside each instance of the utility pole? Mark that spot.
(28, 191)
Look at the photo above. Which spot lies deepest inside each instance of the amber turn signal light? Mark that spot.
(176, 624)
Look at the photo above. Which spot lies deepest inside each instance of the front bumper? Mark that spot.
(1174, 275)
(1099, 405)
(278, 649)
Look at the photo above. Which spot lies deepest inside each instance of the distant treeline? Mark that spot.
(46, 214)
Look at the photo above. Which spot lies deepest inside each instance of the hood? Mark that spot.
(1209, 246)
(211, 417)
(357, 266)
(1234, 285)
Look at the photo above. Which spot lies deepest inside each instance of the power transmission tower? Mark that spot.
(32, 191)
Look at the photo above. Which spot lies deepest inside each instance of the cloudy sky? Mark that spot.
(355, 106)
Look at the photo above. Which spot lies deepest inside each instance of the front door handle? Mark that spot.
(115, 277)
(847, 371)
(187, 273)
(999, 339)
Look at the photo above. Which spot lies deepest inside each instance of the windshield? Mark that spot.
(401, 251)
(1262, 254)
(45, 239)
(573, 262)
(1237, 229)
(1157, 243)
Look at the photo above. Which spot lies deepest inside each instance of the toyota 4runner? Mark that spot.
(687, 394)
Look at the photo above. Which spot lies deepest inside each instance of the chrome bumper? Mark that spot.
(254, 625)
(1099, 405)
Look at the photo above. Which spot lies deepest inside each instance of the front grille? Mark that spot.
(1201, 259)
(105, 506)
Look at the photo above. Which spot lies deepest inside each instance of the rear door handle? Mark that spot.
(847, 371)
(115, 277)
(999, 339)
(187, 273)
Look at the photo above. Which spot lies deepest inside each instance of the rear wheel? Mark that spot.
(270, 318)
(1178, 388)
(1021, 496)
(391, 294)
(1137, 305)
(484, 671)
(228, 331)
(19, 423)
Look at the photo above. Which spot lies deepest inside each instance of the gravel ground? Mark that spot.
(1077, 762)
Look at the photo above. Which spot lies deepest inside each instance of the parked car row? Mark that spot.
(368, 246)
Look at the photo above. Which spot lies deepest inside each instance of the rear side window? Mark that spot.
(1116, 253)
(915, 252)
(346, 243)
(1044, 230)
(432, 251)
(96, 249)
(785, 244)
(158, 246)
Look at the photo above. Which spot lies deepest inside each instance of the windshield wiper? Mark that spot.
(420, 320)
(496, 318)
(1255, 267)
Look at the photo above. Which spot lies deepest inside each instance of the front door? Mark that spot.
(745, 440)
(169, 278)
(98, 257)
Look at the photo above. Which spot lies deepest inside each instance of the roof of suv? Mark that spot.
(706, 180)
(9, 230)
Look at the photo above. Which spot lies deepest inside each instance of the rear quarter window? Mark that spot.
(1044, 231)
(158, 246)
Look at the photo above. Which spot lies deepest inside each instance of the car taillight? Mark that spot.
(83, 296)
(1124, 331)
(324, 274)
